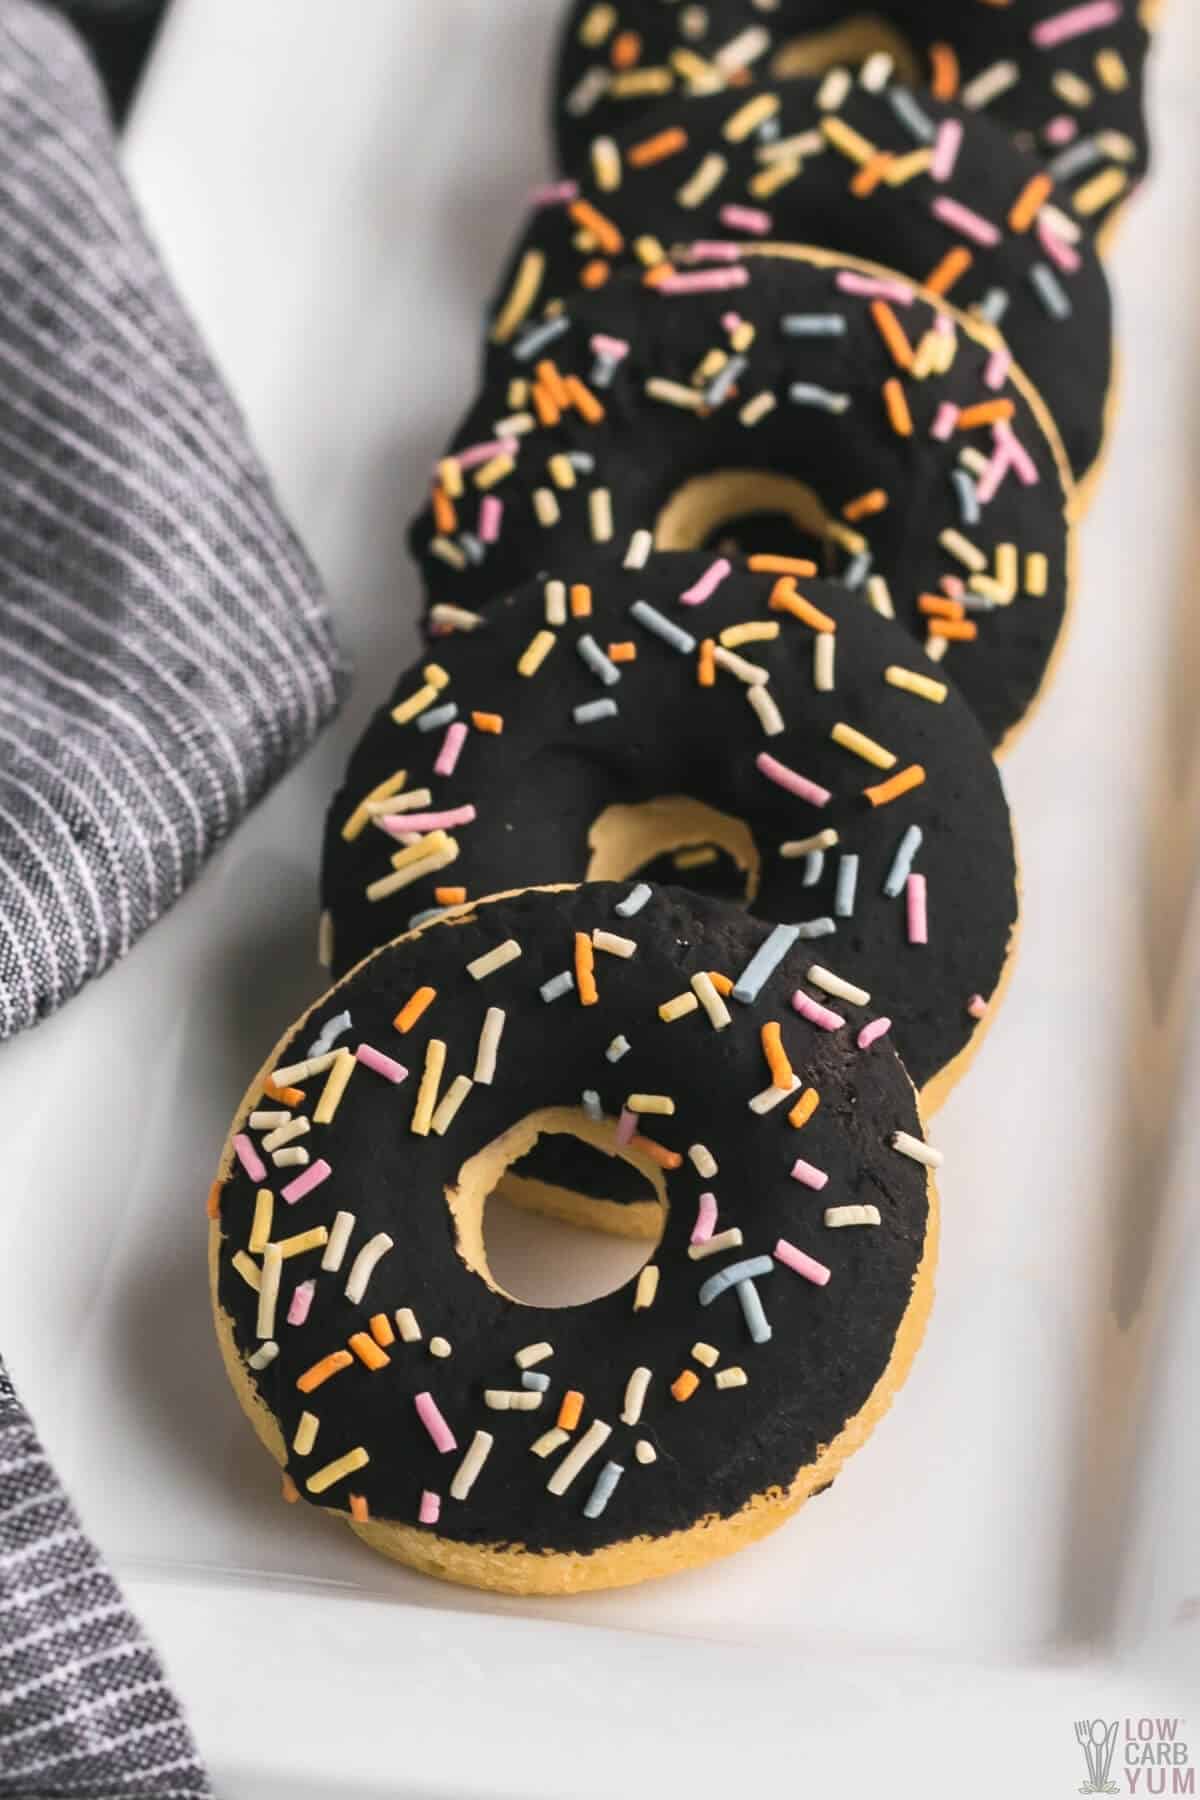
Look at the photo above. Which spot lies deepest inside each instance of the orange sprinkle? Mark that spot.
(875, 501)
(895, 785)
(962, 631)
(381, 1329)
(368, 1351)
(782, 1073)
(765, 564)
(685, 1385)
(896, 401)
(659, 273)
(492, 722)
(359, 1510)
(654, 149)
(288, 1488)
(784, 598)
(444, 515)
(571, 1410)
(872, 172)
(953, 266)
(804, 1108)
(593, 221)
(213, 1205)
(412, 1009)
(622, 652)
(547, 373)
(449, 896)
(288, 1096)
(721, 982)
(987, 412)
(585, 974)
(321, 1371)
(706, 669)
(1029, 202)
(581, 600)
(935, 607)
(626, 50)
(544, 405)
(943, 71)
(658, 1153)
(583, 400)
(595, 273)
(893, 334)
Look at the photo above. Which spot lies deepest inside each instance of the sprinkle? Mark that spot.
(260, 1229)
(557, 986)
(751, 1304)
(491, 960)
(300, 1303)
(512, 1399)
(449, 1104)
(795, 1259)
(794, 783)
(304, 1184)
(249, 1158)
(1050, 291)
(306, 1433)
(815, 1013)
(1073, 21)
(335, 1471)
(571, 1410)
(916, 1149)
(823, 655)
(809, 393)
(467, 1473)
(706, 1354)
(820, 840)
(585, 964)
(536, 652)
(602, 1492)
(989, 84)
(734, 1376)
(772, 1097)
(321, 1372)
(634, 900)
(406, 1325)
(264, 1356)
(368, 1351)
(430, 1508)
(293, 1157)
(924, 686)
(769, 715)
(593, 1439)
(300, 1242)
(412, 1010)
(651, 1103)
(845, 887)
(782, 1074)
(489, 1043)
(685, 1385)
(645, 1451)
(706, 993)
(363, 1266)
(618, 1048)
(804, 1108)
(896, 403)
(703, 1161)
(977, 1006)
(431, 1418)
(903, 783)
(662, 627)
(381, 1330)
(704, 281)
(646, 1289)
(431, 1075)
(764, 962)
(757, 408)
(339, 1238)
(835, 985)
(600, 517)
(963, 219)
(808, 1174)
(335, 1086)
(918, 926)
(946, 148)
(706, 1219)
(706, 585)
(594, 710)
(635, 1396)
(750, 1269)
(601, 666)
(548, 1442)
(837, 1217)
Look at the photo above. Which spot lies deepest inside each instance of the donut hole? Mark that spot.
(675, 838)
(849, 42)
(750, 510)
(533, 1237)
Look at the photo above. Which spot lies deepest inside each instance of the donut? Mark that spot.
(894, 438)
(919, 185)
(538, 1449)
(1065, 81)
(781, 720)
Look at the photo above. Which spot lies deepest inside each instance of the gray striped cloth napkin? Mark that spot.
(165, 654)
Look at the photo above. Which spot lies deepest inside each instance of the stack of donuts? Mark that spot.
(674, 887)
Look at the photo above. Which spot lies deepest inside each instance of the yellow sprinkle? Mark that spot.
(450, 476)
(1008, 569)
(863, 746)
(731, 1377)
(678, 1008)
(1037, 574)
(711, 1001)
(600, 515)
(708, 175)
(260, 1230)
(358, 819)
(648, 251)
(491, 960)
(1071, 88)
(597, 24)
(706, 1354)
(494, 470)
(336, 1470)
(438, 858)
(646, 1289)
(777, 174)
(436, 676)
(631, 84)
(532, 658)
(843, 137)
(752, 631)
(1110, 67)
(561, 471)
(906, 168)
(969, 554)
(343, 1068)
(758, 407)
(315, 1238)
(449, 1104)
(651, 1103)
(416, 703)
(545, 507)
(1110, 184)
(306, 1433)
(515, 310)
(748, 118)
(428, 845)
(431, 1075)
(606, 164)
(247, 1269)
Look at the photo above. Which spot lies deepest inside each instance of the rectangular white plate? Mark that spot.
(335, 186)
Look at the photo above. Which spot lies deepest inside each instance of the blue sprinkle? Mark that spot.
(902, 862)
(603, 370)
(976, 602)
(994, 305)
(1073, 161)
(910, 113)
(816, 928)
(968, 503)
(845, 887)
(764, 962)
(857, 570)
(534, 1381)
(423, 917)
(662, 627)
(557, 986)
(757, 1323)
(807, 393)
(814, 868)
(634, 901)
(601, 1493)
(437, 715)
(582, 460)
(591, 710)
(329, 1034)
(725, 378)
(814, 324)
(600, 665)
(536, 339)
(1050, 291)
(591, 1104)
(768, 131)
(471, 547)
(749, 1269)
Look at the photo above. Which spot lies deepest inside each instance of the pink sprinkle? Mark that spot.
(612, 348)
(953, 586)
(814, 1012)
(945, 149)
(249, 1158)
(714, 250)
(871, 1034)
(301, 1300)
(1018, 456)
(918, 921)
(783, 777)
(977, 1006)
(397, 824)
(491, 512)
(704, 281)
(626, 1126)
(451, 750)
(707, 584)
(553, 193)
(731, 321)
(380, 1064)
(998, 364)
(311, 1178)
(944, 421)
(1093, 16)
(431, 1418)
(963, 219)
(870, 288)
(1063, 130)
(1056, 247)
(944, 325)
(809, 1174)
(431, 1508)
(706, 1219)
(808, 1266)
(481, 453)
(988, 485)
(746, 218)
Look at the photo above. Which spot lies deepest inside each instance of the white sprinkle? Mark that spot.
(306, 1433)
(600, 516)
(556, 602)
(495, 959)
(283, 1134)
(834, 984)
(703, 1160)
(634, 900)
(640, 546)
(723, 1240)
(532, 1354)
(363, 1266)
(916, 1149)
(616, 946)
(593, 1439)
(833, 90)
(731, 1377)
(644, 1451)
(772, 1097)
(549, 1441)
(406, 1325)
(489, 1043)
(449, 1104)
(439, 1346)
(635, 1396)
(836, 1216)
(267, 1121)
(823, 645)
(707, 1354)
(618, 1048)
(264, 1355)
(295, 1156)
(769, 716)
(339, 1238)
(511, 1399)
(468, 1469)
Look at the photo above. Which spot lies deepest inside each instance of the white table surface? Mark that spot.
(334, 186)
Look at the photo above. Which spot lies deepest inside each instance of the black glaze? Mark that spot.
(1068, 360)
(645, 449)
(539, 786)
(981, 36)
(717, 1450)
